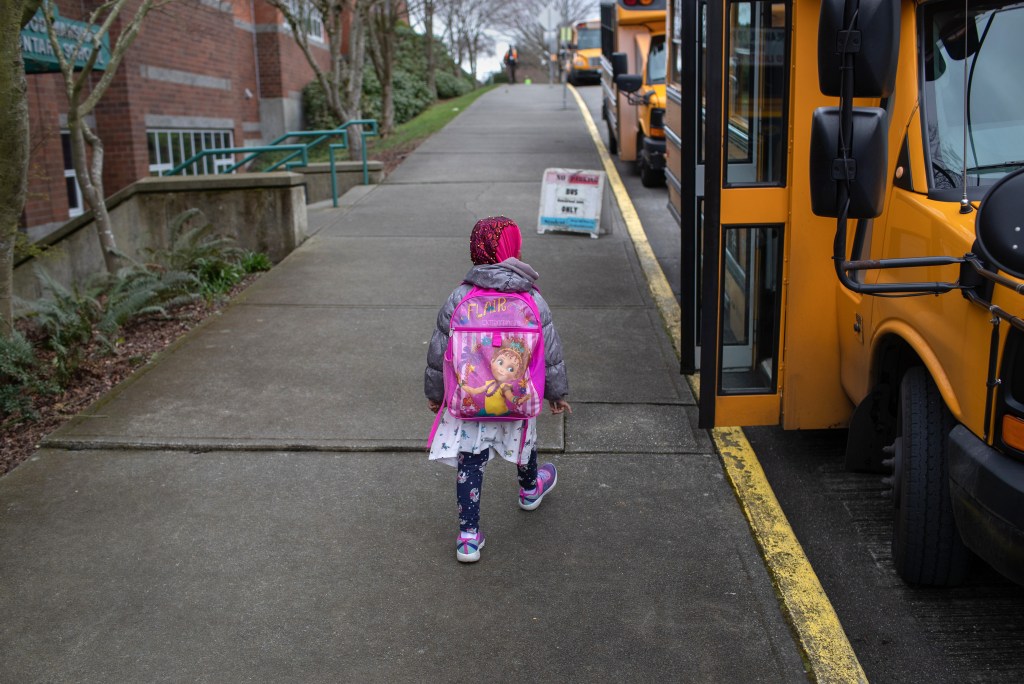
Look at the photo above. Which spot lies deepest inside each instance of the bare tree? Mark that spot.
(342, 80)
(84, 91)
(428, 30)
(382, 17)
(520, 20)
(14, 145)
(466, 24)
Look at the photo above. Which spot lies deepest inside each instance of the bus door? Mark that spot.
(745, 211)
(684, 173)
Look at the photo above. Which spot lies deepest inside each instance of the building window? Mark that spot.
(71, 178)
(307, 16)
(169, 148)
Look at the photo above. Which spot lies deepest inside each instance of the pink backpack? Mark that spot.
(494, 364)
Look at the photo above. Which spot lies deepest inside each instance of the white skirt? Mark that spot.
(504, 438)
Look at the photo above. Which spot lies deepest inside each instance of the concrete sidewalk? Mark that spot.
(256, 506)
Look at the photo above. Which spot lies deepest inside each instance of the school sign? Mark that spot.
(75, 38)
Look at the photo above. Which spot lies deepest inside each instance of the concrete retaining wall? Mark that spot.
(349, 173)
(264, 212)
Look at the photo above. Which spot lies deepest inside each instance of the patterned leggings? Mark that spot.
(470, 482)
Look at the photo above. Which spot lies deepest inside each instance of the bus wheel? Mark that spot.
(650, 177)
(613, 148)
(926, 546)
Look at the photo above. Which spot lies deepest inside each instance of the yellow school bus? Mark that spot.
(584, 63)
(848, 177)
(633, 53)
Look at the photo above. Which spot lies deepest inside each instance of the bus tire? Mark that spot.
(926, 546)
(613, 147)
(650, 177)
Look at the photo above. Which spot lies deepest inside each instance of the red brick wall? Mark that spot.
(47, 199)
(198, 61)
(284, 69)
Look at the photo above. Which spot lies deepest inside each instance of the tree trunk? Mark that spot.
(381, 20)
(90, 179)
(353, 85)
(14, 146)
(428, 24)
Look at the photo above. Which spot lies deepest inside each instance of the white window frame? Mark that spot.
(182, 144)
(69, 172)
(309, 16)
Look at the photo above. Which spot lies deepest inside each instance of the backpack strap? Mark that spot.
(437, 422)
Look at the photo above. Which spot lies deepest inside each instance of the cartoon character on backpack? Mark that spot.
(505, 391)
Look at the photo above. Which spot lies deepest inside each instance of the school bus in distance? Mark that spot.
(848, 177)
(633, 55)
(584, 63)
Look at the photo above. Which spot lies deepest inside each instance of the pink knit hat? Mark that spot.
(494, 239)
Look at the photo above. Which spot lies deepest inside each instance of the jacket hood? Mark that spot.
(511, 275)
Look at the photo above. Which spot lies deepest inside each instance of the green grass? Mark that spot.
(426, 124)
(410, 134)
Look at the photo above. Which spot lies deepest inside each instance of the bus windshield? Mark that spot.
(588, 38)
(979, 57)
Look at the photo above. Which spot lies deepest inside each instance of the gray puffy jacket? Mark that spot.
(510, 275)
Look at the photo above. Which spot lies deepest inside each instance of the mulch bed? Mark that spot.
(102, 369)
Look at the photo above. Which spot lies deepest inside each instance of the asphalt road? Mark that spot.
(973, 633)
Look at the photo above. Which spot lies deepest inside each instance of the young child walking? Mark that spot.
(495, 249)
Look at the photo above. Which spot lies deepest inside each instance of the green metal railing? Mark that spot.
(318, 137)
(300, 150)
(298, 153)
(363, 135)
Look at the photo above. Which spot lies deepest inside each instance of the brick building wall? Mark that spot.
(201, 73)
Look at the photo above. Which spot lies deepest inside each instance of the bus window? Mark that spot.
(756, 93)
(750, 303)
(656, 61)
(988, 50)
(588, 38)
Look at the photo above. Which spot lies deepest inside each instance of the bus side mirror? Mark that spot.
(629, 83)
(875, 44)
(620, 64)
(998, 225)
(864, 170)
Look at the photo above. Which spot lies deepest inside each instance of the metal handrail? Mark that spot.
(320, 135)
(301, 150)
(363, 135)
(368, 129)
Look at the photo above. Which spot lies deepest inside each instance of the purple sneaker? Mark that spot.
(547, 478)
(467, 549)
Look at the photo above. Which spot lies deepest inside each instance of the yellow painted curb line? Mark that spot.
(825, 646)
(828, 651)
(656, 281)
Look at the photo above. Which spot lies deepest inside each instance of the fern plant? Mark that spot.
(66, 317)
(254, 262)
(138, 290)
(212, 259)
(21, 379)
